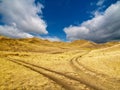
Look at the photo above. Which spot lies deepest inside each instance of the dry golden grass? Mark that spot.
(105, 60)
(13, 76)
(34, 64)
(24, 78)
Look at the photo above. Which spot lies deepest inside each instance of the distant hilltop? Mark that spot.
(40, 45)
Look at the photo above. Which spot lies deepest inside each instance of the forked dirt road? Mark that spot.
(85, 80)
(66, 81)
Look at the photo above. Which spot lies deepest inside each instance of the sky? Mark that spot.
(61, 20)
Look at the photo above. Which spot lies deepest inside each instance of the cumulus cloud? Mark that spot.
(21, 18)
(12, 31)
(101, 28)
(52, 38)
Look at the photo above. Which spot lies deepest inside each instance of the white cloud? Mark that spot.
(23, 14)
(12, 31)
(101, 28)
(52, 38)
(100, 2)
(100, 6)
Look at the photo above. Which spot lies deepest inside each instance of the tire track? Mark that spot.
(76, 78)
(97, 80)
(85, 78)
(90, 70)
(93, 71)
(65, 75)
(67, 82)
(97, 73)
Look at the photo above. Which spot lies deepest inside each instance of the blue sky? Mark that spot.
(64, 20)
(61, 13)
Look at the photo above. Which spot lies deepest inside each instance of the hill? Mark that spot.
(34, 45)
(39, 45)
(33, 63)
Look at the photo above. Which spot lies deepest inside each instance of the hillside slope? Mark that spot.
(33, 63)
(39, 45)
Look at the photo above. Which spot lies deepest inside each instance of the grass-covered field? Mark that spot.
(33, 64)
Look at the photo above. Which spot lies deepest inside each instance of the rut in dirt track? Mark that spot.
(97, 73)
(69, 83)
(92, 78)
